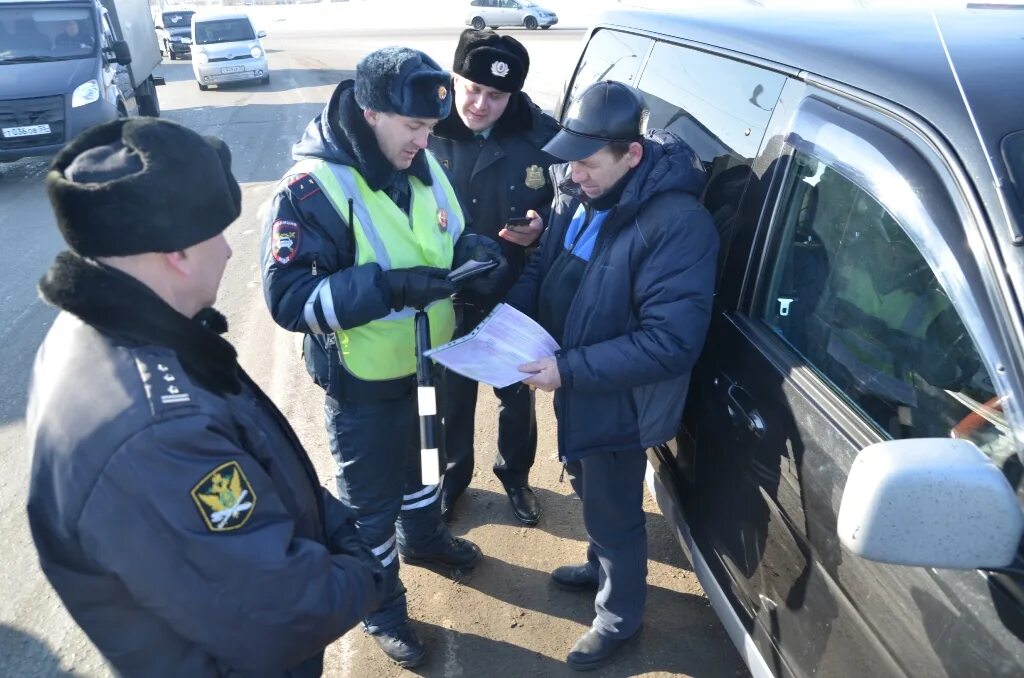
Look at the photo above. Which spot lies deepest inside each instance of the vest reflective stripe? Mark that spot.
(385, 349)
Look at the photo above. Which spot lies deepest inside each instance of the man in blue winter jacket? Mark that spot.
(623, 281)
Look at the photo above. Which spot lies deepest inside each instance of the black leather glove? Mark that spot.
(481, 248)
(348, 541)
(419, 286)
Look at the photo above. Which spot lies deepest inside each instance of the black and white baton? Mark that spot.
(426, 396)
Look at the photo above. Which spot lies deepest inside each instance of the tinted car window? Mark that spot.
(856, 298)
(717, 105)
(610, 55)
(226, 30)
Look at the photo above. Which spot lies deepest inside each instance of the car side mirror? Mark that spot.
(121, 54)
(261, 34)
(929, 502)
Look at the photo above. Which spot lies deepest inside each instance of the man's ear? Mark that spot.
(179, 262)
(635, 153)
(371, 117)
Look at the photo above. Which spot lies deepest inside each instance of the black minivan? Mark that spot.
(847, 477)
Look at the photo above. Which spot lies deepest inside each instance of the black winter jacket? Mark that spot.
(501, 176)
(135, 415)
(637, 322)
(322, 253)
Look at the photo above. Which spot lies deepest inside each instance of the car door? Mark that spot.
(859, 315)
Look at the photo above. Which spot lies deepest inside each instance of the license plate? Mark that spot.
(31, 130)
(232, 69)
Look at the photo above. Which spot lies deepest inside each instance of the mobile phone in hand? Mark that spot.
(517, 224)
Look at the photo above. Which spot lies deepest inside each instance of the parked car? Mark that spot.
(846, 479)
(497, 13)
(226, 48)
(174, 31)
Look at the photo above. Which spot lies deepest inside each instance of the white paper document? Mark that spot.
(493, 352)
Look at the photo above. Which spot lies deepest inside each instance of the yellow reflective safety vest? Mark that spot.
(386, 348)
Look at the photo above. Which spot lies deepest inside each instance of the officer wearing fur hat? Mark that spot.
(174, 510)
(492, 144)
(361, 232)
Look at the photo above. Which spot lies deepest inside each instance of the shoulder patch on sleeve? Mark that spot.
(167, 386)
(303, 186)
(225, 498)
(284, 241)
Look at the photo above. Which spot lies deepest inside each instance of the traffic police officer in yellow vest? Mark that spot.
(362, 231)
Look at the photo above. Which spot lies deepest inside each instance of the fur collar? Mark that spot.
(517, 119)
(354, 135)
(118, 305)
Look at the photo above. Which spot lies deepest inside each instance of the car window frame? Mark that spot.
(563, 104)
(955, 266)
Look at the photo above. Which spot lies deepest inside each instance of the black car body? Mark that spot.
(866, 176)
(174, 31)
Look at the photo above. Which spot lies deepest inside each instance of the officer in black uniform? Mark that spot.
(491, 144)
(174, 509)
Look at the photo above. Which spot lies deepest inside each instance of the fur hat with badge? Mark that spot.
(492, 60)
(137, 185)
(403, 81)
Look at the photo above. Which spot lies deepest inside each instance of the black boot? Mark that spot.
(401, 645)
(575, 577)
(457, 554)
(524, 502)
(594, 650)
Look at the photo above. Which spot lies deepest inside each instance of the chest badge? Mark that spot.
(442, 220)
(224, 498)
(534, 177)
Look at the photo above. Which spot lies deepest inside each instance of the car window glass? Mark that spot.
(692, 93)
(610, 55)
(855, 297)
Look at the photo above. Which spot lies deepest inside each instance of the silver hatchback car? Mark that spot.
(226, 48)
(495, 13)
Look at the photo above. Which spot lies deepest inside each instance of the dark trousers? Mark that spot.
(611, 485)
(377, 447)
(517, 426)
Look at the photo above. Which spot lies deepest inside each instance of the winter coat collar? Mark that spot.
(341, 135)
(120, 306)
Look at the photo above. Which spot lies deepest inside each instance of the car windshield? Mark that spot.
(177, 19)
(45, 34)
(225, 30)
(1013, 154)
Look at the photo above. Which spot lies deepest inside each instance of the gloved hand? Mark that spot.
(348, 542)
(419, 286)
(480, 247)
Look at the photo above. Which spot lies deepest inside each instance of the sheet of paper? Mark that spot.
(493, 352)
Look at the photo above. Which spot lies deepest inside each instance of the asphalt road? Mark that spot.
(503, 619)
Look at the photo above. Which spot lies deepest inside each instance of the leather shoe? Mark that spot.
(575, 577)
(525, 506)
(401, 645)
(458, 554)
(594, 650)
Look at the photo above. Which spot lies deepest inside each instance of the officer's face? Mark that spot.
(400, 138)
(602, 170)
(206, 269)
(479, 106)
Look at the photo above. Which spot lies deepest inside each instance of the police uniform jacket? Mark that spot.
(640, 312)
(501, 175)
(174, 510)
(321, 245)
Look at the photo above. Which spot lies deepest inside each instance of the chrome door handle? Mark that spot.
(743, 412)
